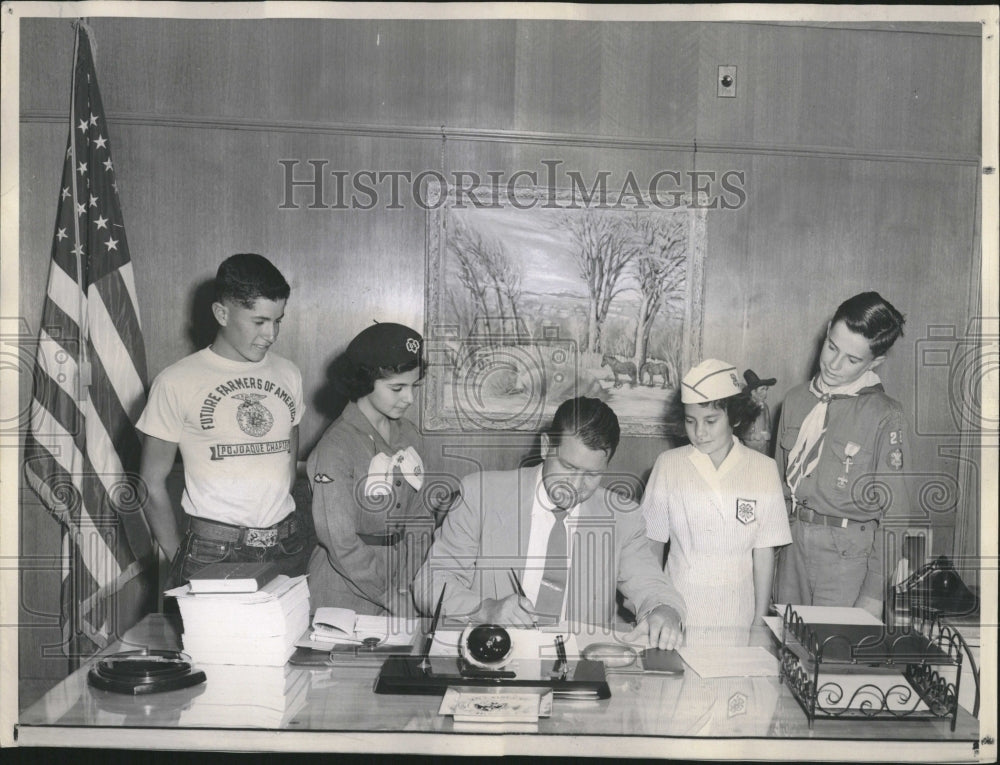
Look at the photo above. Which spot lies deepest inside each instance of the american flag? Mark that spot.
(81, 448)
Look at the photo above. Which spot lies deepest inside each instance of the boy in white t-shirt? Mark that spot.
(233, 410)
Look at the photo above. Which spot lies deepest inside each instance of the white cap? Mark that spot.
(709, 381)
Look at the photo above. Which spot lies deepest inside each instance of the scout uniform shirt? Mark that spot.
(859, 475)
(372, 522)
(714, 518)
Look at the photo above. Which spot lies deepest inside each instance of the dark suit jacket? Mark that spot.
(486, 533)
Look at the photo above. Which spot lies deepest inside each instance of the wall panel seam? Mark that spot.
(509, 136)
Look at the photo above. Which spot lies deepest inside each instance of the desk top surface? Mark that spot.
(340, 698)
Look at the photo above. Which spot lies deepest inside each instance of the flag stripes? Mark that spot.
(82, 451)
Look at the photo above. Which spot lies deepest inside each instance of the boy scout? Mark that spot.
(841, 452)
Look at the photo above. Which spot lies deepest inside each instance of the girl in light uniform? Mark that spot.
(719, 504)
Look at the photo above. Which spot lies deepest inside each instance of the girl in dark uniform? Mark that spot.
(372, 523)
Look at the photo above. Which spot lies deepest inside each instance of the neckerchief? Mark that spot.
(805, 454)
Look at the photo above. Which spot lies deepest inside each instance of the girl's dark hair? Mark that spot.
(741, 410)
(353, 381)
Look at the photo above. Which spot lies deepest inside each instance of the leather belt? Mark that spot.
(381, 540)
(243, 535)
(807, 515)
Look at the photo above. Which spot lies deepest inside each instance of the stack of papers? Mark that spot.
(257, 628)
(730, 661)
(262, 697)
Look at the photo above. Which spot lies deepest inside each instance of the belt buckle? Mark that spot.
(261, 537)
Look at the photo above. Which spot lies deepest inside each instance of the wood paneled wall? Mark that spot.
(859, 146)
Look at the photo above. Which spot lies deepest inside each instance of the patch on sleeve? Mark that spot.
(322, 478)
(896, 437)
(895, 459)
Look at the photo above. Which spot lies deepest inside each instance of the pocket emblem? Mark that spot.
(746, 510)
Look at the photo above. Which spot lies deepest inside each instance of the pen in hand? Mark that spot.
(520, 591)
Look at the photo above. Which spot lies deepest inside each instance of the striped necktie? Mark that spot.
(552, 589)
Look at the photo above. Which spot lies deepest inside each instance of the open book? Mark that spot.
(331, 625)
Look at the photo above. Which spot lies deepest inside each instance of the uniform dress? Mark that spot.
(232, 422)
(372, 535)
(859, 477)
(714, 519)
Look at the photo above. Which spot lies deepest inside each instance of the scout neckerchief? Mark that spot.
(805, 454)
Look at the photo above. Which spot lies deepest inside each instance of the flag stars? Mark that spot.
(82, 168)
(107, 165)
(78, 250)
(83, 125)
(111, 244)
(100, 141)
(61, 234)
(101, 222)
(65, 192)
(80, 208)
(93, 201)
(93, 119)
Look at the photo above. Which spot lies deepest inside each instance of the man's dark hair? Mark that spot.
(875, 318)
(245, 277)
(590, 420)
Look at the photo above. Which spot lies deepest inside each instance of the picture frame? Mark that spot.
(541, 294)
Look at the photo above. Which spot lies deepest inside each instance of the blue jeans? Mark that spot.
(197, 551)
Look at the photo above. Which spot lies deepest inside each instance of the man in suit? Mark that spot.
(553, 532)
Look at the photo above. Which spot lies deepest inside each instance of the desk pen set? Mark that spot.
(486, 659)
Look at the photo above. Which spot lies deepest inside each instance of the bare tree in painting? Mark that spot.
(490, 278)
(604, 248)
(660, 271)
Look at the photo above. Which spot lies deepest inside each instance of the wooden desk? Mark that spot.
(337, 710)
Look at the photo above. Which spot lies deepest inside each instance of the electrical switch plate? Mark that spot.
(727, 81)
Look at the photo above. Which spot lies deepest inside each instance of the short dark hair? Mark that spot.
(875, 318)
(590, 420)
(356, 380)
(741, 410)
(246, 276)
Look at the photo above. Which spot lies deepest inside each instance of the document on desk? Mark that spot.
(730, 661)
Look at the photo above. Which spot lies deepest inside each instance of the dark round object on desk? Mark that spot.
(488, 644)
(146, 671)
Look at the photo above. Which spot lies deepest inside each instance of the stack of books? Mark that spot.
(224, 625)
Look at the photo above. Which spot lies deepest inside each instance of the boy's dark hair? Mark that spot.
(741, 410)
(590, 420)
(875, 318)
(353, 380)
(245, 277)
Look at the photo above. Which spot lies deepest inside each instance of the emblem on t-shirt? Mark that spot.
(746, 510)
(895, 459)
(253, 417)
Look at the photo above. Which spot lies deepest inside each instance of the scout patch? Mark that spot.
(895, 459)
(841, 482)
(746, 510)
(322, 478)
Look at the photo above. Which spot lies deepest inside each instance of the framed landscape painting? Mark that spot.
(537, 297)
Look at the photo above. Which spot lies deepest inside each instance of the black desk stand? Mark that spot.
(811, 650)
(406, 675)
